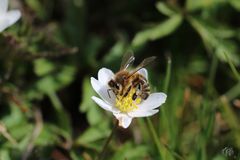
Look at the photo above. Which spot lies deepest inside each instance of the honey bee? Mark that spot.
(125, 80)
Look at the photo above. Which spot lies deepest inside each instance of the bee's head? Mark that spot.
(121, 77)
(114, 85)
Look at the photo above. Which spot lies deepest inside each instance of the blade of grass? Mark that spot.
(165, 90)
(142, 126)
(209, 91)
(4, 132)
(163, 149)
(62, 117)
(55, 101)
(155, 138)
(233, 68)
(212, 73)
(168, 74)
(231, 118)
(233, 92)
(106, 144)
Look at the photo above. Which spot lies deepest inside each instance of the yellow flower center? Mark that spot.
(127, 104)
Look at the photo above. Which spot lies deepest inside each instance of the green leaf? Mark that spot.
(165, 9)
(116, 52)
(130, 152)
(233, 68)
(59, 131)
(94, 115)
(197, 65)
(46, 137)
(43, 66)
(66, 75)
(23, 143)
(94, 112)
(213, 42)
(93, 45)
(220, 157)
(235, 4)
(54, 82)
(88, 93)
(193, 5)
(62, 116)
(231, 118)
(37, 7)
(15, 117)
(50, 84)
(75, 156)
(93, 134)
(5, 154)
(47, 85)
(158, 31)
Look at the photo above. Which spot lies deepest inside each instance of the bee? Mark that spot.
(124, 80)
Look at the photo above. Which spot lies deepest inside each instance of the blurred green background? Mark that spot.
(48, 57)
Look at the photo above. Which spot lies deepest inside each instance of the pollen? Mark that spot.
(127, 104)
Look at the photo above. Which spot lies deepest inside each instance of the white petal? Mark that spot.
(123, 120)
(102, 91)
(143, 113)
(101, 103)
(105, 106)
(13, 16)
(105, 75)
(3, 6)
(9, 18)
(4, 23)
(153, 101)
(143, 72)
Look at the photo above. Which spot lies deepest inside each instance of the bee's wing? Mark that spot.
(127, 60)
(144, 63)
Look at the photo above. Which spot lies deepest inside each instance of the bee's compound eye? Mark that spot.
(111, 83)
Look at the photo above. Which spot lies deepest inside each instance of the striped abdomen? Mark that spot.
(142, 87)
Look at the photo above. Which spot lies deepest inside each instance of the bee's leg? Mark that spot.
(134, 97)
(109, 93)
(144, 96)
(126, 93)
(139, 86)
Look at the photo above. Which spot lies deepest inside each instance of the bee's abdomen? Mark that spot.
(139, 80)
(141, 84)
(145, 91)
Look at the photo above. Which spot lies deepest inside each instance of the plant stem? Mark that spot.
(104, 149)
(164, 112)
(55, 101)
(155, 137)
(212, 73)
(162, 148)
(233, 68)
(233, 92)
(168, 74)
(62, 116)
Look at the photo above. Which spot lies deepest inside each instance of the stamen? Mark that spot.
(127, 104)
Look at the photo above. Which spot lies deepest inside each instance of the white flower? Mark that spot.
(7, 18)
(126, 109)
